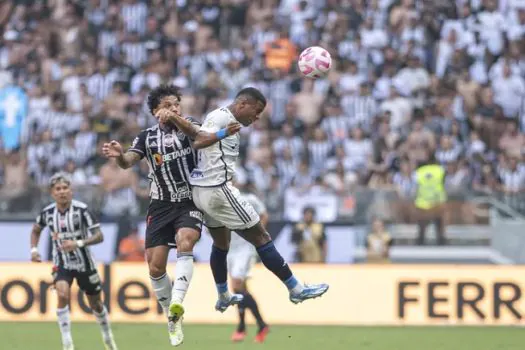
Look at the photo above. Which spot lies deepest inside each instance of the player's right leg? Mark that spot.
(63, 282)
(218, 263)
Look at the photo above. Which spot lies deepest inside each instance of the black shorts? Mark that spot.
(88, 281)
(166, 218)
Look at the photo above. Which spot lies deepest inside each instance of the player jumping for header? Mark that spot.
(73, 229)
(223, 208)
(172, 219)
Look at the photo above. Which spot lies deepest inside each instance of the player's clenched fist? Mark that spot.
(233, 128)
(112, 149)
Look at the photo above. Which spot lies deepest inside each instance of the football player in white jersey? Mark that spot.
(241, 258)
(223, 207)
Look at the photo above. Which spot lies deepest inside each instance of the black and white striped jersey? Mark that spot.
(75, 223)
(171, 160)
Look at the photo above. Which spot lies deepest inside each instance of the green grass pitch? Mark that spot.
(44, 336)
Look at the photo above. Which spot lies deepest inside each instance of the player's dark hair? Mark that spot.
(252, 93)
(161, 91)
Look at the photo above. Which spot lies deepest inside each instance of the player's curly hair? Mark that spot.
(161, 91)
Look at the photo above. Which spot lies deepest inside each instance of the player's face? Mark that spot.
(61, 192)
(170, 102)
(249, 112)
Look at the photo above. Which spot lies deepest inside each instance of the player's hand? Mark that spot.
(35, 257)
(112, 149)
(233, 128)
(69, 246)
(164, 115)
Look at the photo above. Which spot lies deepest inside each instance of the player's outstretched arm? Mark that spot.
(125, 160)
(201, 139)
(35, 237)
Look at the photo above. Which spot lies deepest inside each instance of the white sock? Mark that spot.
(64, 323)
(103, 321)
(162, 288)
(183, 275)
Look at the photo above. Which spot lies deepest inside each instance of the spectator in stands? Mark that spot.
(310, 238)
(131, 248)
(378, 243)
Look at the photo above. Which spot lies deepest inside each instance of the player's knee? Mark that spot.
(155, 269)
(261, 238)
(95, 303)
(186, 240)
(63, 297)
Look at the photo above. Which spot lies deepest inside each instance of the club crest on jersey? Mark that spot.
(76, 219)
(168, 140)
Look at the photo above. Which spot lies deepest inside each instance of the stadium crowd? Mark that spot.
(411, 80)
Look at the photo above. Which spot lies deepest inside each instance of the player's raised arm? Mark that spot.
(201, 138)
(127, 159)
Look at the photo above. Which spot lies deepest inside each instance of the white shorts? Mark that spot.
(223, 206)
(240, 263)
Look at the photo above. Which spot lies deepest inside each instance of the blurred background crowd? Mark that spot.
(412, 81)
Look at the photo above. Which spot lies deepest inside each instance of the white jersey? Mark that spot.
(238, 243)
(216, 163)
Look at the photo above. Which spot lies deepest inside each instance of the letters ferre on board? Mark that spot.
(358, 295)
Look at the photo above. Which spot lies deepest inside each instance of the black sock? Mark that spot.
(219, 268)
(242, 313)
(274, 262)
(251, 304)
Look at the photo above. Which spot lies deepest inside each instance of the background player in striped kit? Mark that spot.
(73, 229)
(173, 220)
(241, 257)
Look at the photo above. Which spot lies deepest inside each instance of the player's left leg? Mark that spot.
(90, 283)
(188, 228)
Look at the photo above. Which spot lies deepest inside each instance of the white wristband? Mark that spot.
(80, 243)
(34, 250)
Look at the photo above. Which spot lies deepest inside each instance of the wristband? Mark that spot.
(221, 134)
(34, 250)
(80, 243)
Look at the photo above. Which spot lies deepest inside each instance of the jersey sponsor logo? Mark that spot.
(183, 191)
(195, 174)
(177, 154)
(196, 214)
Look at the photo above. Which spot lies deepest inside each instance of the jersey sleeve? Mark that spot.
(40, 221)
(89, 219)
(139, 144)
(215, 122)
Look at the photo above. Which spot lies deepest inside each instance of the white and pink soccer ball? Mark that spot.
(314, 62)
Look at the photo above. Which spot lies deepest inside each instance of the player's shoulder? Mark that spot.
(78, 204)
(219, 113)
(49, 207)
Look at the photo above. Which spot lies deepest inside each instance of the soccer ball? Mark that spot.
(315, 62)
